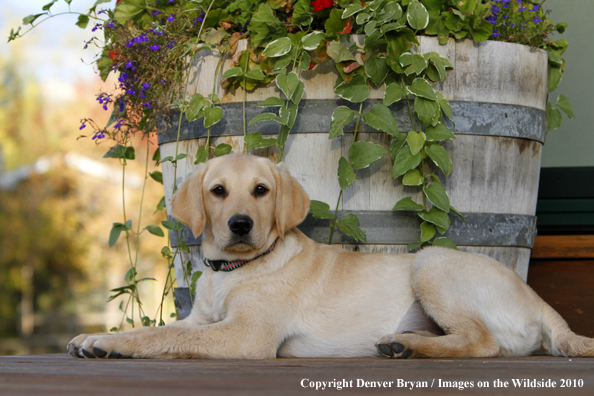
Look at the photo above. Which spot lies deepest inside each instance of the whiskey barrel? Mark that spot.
(497, 92)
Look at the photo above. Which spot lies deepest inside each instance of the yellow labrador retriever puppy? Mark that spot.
(273, 292)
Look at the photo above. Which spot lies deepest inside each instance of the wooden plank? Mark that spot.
(563, 246)
(63, 375)
(567, 287)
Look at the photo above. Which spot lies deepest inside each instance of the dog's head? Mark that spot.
(240, 204)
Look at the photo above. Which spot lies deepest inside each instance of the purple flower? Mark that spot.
(118, 124)
(535, 7)
(83, 126)
(171, 44)
(171, 18)
(131, 92)
(97, 26)
(146, 85)
(130, 65)
(155, 47)
(156, 13)
(523, 9)
(537, 20)
(99, 135)
(495, 34)
(148, 104)
(110, 25)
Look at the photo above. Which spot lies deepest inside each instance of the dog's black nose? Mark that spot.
(240, 224)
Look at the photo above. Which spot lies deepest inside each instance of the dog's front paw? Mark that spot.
(92, 346)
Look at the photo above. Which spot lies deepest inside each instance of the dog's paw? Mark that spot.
(395, 347)
(93, 346)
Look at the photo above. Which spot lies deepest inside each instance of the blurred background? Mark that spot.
(59, 197)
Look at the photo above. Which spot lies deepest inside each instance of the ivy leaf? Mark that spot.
(349, 225)
(341, 117)
(114, 234)
(564, 104)
(436, 216)
(351, 9)
(272, 102)
(256, 74)
(320, 210)
(263, 117)
(417, 15)
(414, 245)
(438, 133)
(438, 196)
(212, 115)
(49, 5)
(408, 204)
(445, 106)
(396, 144)
(333, 24)
(413, 178)
(427, 110)
(201, 155)
(440, 157)
(157, 176)
(83, 21)
(376, 69)
(222, 149)
(312, 40)
(255, 140)
(554, 117)
(381, 118)
(196, 107)
(404, 162)
(31, 18)
(445, 242)
(427, 231)
(421, 88)
(287, 83)
(415, 141)
(339, 52)
(346, 175)
(155, 230)
(195, 277)
(555, 76)
(394, 92)
(414, 63)
(278, 47)
(363, 154)
(299, 91)
(355, 91)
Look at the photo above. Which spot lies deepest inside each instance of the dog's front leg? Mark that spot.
(232, 338)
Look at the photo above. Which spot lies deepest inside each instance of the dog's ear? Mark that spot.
(292, 202)
(187, 204)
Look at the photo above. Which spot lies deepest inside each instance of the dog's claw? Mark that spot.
(100, 353)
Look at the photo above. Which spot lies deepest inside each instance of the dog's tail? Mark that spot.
(559, 340)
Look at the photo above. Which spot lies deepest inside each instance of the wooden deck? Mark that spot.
(63, 375)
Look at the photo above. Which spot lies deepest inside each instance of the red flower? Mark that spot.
(118, 1)
(319, 5)
(113, 55)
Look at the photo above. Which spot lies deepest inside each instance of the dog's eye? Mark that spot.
(218, 190)
(260, 190)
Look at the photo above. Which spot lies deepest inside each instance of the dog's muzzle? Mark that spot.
(240, 224)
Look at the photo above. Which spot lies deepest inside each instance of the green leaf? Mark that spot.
(420, 87)
(155, 230)
(404, 162)
(564, 104)
(320, 210)
(299, 91)
(333, 24)
(438, 196)
(396, 144)
(287, 83)
(31, 18)
(445, 106)
(414, 245)
(440, 157)
(351, 9)
(355, 91)
(376, 69)
(363, 154)
(554, 117)
(256, 74)
(201, 155)
(417, 15)
(49, 5)
(445, 242)
(427, 231)
(121, 152)
(161, 204)
(130, 275)
(272, 102)
(408, 204)
(83, 21)
(338, 51)
(381, 118)
(362, 18)
(416, 141)
(278, 47)
(413, 178)
(312, 40)
(438, 133)
(114, 234)
(129, 10)
(370, 28)
(212, 115)
(157, 176)
(346, 175)
(436, 216)
(341, 117)
(222, 149)
(427, 110)
(394, 92)
(555, 76)
(232, 72)
(263, 117)
(195, 277)
(349, 225)
(255, 140)
(196, 107)
(414, 63)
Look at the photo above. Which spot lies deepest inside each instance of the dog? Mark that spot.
(272, 292)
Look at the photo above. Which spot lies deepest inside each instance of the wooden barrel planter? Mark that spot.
(497, 92)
